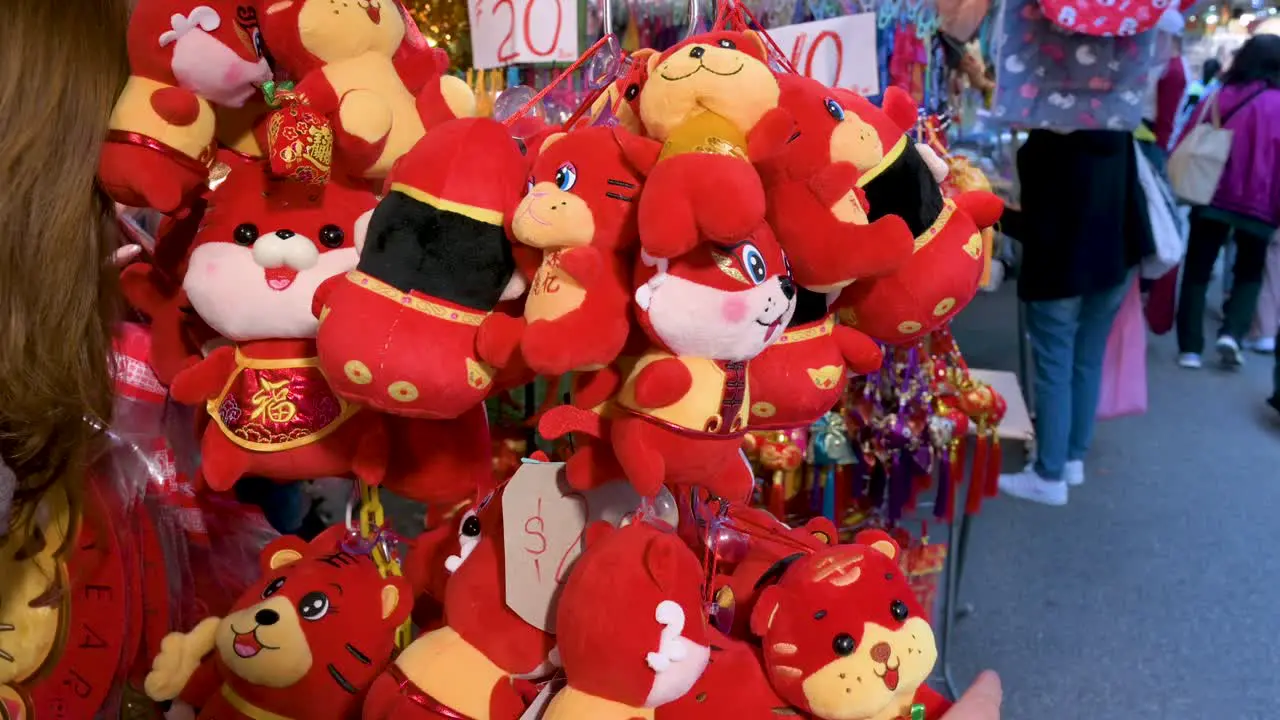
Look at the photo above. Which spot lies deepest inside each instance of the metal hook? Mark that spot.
(606, 16)
(693, 19)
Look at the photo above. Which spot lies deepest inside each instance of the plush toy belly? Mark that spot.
(936, 283)
(227, 704)
(451, 672)
(401, 353)
(717, 403)
(708, 133)
(374, 71)
(571, 704)
(798, 379)
(553, 293)
(276, 405)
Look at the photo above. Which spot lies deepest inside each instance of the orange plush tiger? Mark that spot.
(305, 642)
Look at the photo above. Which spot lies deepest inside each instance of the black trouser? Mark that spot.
(1207, 238)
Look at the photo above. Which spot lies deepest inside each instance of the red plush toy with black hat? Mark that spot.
(306, 641)
(815, 206)
(942, 274)
(399, 333)
(632, 631)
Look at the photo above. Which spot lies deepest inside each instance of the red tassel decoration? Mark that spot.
(996, 464)
(957, 472)
(778, 496)
(978, 478)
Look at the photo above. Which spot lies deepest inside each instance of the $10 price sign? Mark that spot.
(840, 52)
(511, 32)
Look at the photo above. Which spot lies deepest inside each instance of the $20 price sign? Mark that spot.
(511, 32)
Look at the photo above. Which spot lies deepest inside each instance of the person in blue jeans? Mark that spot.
(1083, 228)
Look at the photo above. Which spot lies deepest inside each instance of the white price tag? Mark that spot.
(840, 52)
(510, 32)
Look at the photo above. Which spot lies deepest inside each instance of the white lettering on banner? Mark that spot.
(509, 32)
(840, 52)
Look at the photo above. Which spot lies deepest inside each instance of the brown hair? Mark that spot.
(61, 66)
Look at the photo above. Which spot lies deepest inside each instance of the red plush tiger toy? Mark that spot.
(580, 211)
(843, 635)
(306, 642)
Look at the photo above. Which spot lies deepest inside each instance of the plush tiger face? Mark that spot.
(322, 620)
(844, 637)
(584, 190)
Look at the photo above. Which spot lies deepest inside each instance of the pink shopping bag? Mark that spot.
(1124, 367)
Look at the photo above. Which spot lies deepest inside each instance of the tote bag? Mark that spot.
(1197, 164)
(1124, 367)
(1165, 219)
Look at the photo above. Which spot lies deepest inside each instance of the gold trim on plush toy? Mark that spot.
(889, 158)
(926, 237)
(808, 332)
(416, 302)
(479, 214)
(244, 707)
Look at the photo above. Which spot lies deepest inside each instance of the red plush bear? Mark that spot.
(804, 374)
(399, 334)
(184, 55)
(632, 631)
(353, 66)
(733, 686)
(941, 276)
(265, 247)
(814, 205)
(580, 212)
(844, 637)
(306, 641)
(713, 102)
(477, 665)
(684, 406)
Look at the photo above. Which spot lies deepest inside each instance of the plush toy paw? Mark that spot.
(143, 177)
(699, 195)
(180, 656)
(499, 336)
(770, 136)
(365, 115)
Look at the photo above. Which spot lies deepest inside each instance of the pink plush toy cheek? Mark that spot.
(734, 310)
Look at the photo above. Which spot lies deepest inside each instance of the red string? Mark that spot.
(586, 105)
(524, 110)
(751, 20)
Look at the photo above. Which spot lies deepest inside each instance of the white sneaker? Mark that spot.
(1028, 485)
(1229, 351)
(1191, 361)
(1262, 346)
(1073, 472)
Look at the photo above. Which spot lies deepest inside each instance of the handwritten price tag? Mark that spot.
(544, 525)
(509, 32)
(840, 52)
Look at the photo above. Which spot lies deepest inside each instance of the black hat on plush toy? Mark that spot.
(439, 230)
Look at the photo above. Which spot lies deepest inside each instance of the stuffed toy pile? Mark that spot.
(351, 264)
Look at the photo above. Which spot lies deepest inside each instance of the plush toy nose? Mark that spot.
(881, 652)
(788, 287)
(697, 53)
(266, 617)
(285, 234)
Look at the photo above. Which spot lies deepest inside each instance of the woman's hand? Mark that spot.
(980, 702)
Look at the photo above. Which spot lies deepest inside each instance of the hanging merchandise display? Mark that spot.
(657, 333)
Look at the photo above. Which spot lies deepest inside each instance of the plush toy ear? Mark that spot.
(823, 530)
(880, 541)
(641, 152)
(274, 8)
(598, 531)
(282, 551)
(765, 610)
(757, 43)
(551, 139)
(661, 561)
(900, 108)
(653, 60)
(394, 606)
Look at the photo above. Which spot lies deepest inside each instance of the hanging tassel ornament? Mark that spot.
(299, 140)
(978, 476)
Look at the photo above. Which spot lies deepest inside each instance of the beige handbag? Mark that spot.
(1196, 165)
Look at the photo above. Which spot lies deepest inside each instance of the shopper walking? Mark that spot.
(1246, 204)
(1083, 227)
